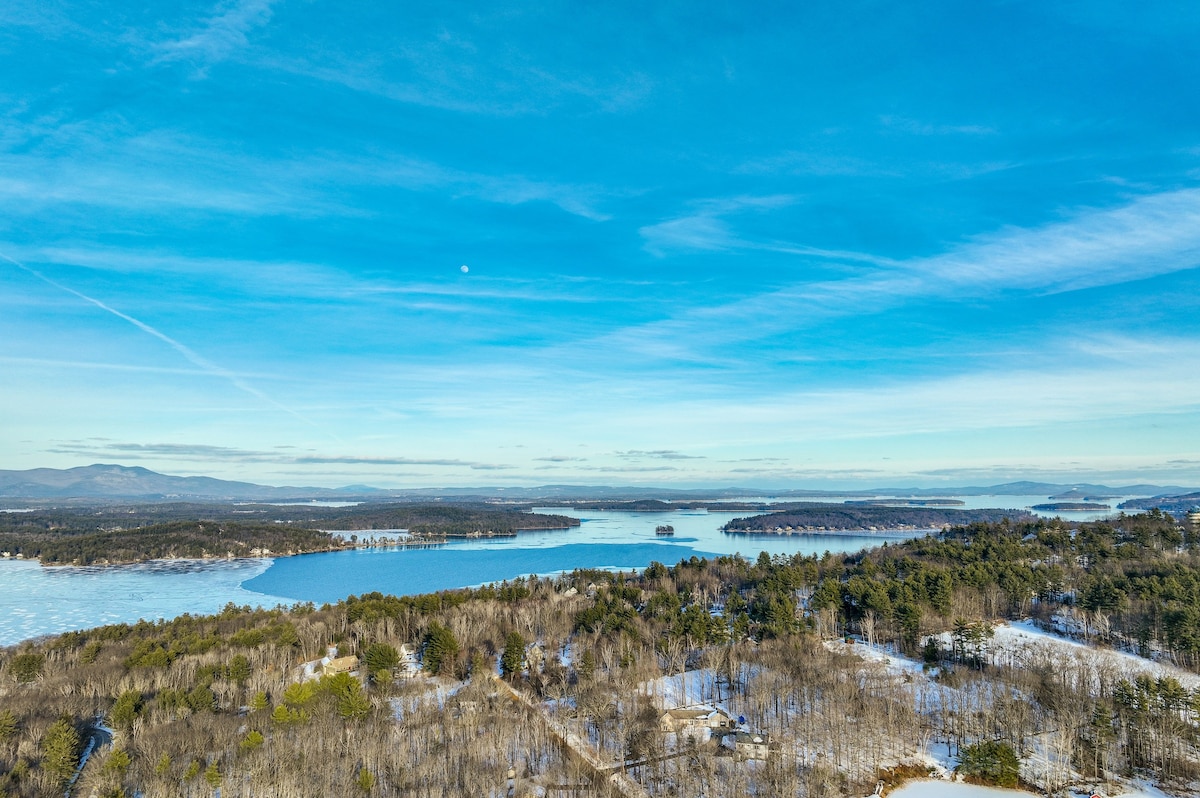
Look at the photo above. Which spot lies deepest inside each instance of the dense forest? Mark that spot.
(175, 539)
(136, 533)
(812, 516)
(586, 659)
(446, 520)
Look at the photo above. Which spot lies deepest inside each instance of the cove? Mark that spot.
(607, 540)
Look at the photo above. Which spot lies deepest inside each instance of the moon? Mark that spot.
(463, 268)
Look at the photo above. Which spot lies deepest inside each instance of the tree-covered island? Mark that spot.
(810, 517)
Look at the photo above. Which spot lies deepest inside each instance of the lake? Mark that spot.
(37, 601)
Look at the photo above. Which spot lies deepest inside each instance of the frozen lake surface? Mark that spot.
(37, 601)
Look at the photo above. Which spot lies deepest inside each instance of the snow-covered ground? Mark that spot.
(686, 689)
(1022, 642)
(930, 788)
(1017, 641)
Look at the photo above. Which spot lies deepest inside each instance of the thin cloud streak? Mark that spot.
(209, 453)
(194, 358)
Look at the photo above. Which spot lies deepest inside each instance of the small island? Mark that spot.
(664, 530)
(1070, 507)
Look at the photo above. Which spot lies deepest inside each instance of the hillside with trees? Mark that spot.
(812, 517)
(135, 533)
(222, 701)
(172, 540)
(447, 520)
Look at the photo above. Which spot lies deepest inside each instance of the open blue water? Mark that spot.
(609, 540)
(37, 601)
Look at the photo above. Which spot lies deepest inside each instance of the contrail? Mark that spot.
(195, 358)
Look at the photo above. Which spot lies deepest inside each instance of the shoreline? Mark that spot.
(335, 535)
(822, 530)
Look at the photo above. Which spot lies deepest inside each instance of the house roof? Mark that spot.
(695, 713)
(752, 738)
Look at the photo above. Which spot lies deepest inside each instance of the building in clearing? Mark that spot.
(749, 745)
(339, 665)
(694, 719)
(410, 661)
(328, 665)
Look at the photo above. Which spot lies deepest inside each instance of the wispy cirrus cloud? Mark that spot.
(1150, 236)
(658, 454)
(466, 72)
(116, 168)
(627, 469)
(400, 461)
(279, 455)
(302, 279)
(219, 35)
(182, 451)
(504, 189)
(189, 354)
(1139, 378)
(707, 228)
(920, 128)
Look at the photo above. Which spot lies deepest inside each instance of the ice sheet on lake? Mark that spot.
(37, 600)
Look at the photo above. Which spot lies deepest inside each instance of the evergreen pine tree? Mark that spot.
(60, 749)
(513, 658)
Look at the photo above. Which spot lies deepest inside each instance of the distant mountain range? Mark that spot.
(133, 482)
(116, 482)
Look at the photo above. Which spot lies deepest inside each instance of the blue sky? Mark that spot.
(803, 245)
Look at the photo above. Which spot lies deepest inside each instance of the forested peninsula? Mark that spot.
(816, 517)
(385, 696)
(136, 533)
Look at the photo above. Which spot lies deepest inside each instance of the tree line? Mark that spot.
(117, 534)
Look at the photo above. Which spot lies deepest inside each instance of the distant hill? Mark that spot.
(106, 482)
(1182, 503)
(133, 482)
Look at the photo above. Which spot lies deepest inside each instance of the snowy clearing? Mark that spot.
(1015, 641)
(929, 788)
